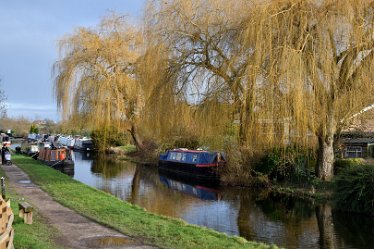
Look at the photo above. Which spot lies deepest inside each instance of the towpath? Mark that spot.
(75, 231)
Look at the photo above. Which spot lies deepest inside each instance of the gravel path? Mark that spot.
(75, 230)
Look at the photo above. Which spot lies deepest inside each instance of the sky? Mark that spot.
(29, 32)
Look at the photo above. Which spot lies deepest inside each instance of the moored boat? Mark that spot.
(83, 144)
(5, 139)
(29, 148)
(52, 156)
(195, 163)
(67, 141)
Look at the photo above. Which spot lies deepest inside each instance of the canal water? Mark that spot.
(262, 217)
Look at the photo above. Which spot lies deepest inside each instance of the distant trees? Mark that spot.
(3, 99)
(20, 126)
(268, 74)
(34, 129)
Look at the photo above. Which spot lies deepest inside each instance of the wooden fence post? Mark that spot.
(3, 187)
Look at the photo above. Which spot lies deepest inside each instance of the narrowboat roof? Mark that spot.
(192, 156)
(191, 151)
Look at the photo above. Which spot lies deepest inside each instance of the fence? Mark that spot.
(6, 222)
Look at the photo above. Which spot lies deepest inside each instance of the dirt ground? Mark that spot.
(75, 231)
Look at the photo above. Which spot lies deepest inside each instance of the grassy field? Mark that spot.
(129, 219)
(39, 235)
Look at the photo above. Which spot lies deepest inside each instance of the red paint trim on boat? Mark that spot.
(207, 165)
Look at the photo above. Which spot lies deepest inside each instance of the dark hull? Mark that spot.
(205, 173)
(53, 163)
(78, 148)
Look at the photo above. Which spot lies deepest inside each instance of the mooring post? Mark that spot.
(3, 187)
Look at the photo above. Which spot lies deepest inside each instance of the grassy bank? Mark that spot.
(131, 220)
(39, 235)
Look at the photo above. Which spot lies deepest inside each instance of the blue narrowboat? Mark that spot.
(195, 163)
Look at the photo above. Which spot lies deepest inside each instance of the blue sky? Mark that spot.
(29, 32)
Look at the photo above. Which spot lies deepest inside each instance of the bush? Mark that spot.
(286, 164)
(354, 189)
(189, 142)
(109, 136)
(128, 148)
(343, 164)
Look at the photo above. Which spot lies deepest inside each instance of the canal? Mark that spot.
(255, 216)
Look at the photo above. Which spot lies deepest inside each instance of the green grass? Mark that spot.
(39, 235)
(128, 148)
(132, 220)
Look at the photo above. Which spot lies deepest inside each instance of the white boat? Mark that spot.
(84, 144)
(67, 141)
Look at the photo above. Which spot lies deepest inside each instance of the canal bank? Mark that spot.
(72, 229)
(283, 219)
(128, 219)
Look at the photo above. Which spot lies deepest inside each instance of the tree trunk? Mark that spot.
(325, 165)
(138, 143)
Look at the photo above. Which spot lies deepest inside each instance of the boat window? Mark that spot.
(194, 158)
(184, 157)
(179, 156)
(87, 143)
(172, 155)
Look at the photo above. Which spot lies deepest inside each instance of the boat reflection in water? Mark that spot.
(205, 190)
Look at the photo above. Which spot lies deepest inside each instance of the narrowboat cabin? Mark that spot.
(67, 141)
(5, 139)
(195, 163)
(52, 156)
(29, 148)
(83, 144)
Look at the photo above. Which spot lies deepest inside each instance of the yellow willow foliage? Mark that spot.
(96, 78)
(283, 71)
(269, 73)
(195, 43)
(317, 57)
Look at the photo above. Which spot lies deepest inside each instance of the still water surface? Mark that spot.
(256, 216)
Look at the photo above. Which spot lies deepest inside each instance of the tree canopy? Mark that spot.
(261, 73)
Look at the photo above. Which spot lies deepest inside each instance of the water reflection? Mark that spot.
(193, 187)
(256, 216)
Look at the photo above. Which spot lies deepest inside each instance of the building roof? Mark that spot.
(358, 140)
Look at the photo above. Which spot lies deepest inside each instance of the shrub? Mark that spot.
(354, 189)
(286, 164)
(128, 148)
(108, 136)
(343, 164)
(190, 142)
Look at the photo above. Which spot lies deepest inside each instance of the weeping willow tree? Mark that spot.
(95, 79)
(198, 68)
(315, 58)
(269, 73)
(295, 70)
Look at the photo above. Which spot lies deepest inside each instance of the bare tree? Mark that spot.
(3, 99)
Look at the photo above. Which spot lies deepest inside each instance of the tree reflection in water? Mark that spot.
(262, 217)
